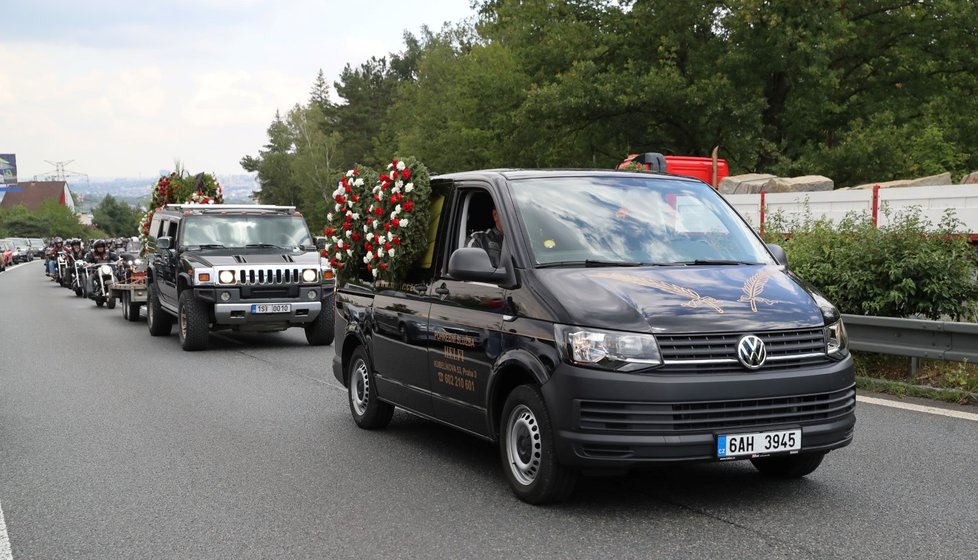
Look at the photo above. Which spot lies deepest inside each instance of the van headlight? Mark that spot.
(836, 339)
(610, 350)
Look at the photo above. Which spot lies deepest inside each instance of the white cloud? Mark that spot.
(125, 88)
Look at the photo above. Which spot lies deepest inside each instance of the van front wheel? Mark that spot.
(527, 451)
(789, 466)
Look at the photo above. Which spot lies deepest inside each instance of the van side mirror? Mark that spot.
(778, 253)
(472, 263)
(164, 243)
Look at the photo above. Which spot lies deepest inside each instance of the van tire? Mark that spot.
(527, 450)
(369, 412)
(320, 331)
(159, 322)
(788, 466)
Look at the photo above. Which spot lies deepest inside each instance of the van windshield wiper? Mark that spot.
(711, 261)
(589, 263)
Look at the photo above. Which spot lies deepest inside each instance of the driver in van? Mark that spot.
(490, 240)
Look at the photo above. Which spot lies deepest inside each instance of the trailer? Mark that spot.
(878, 203)
(132, 295)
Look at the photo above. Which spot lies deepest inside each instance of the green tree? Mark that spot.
(276, 182)
(116, 218)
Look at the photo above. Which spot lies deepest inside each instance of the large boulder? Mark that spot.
(932, 181)
(749, 183)
(806, 183)
(885, 184)
(970, 178)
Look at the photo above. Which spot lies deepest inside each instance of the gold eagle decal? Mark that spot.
(753, 289)
(695, 299)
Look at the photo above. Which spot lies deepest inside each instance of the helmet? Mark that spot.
(58, 240)
(75, 241)
(98, 243)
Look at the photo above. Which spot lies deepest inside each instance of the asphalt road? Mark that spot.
(114, 444)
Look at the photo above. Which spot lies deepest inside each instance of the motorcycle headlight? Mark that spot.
(610, 350)
(105, 269)
(137, 262)
(226, 277)
(310, 275)
(836, 339)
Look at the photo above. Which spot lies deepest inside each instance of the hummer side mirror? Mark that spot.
(164, 243)
(321, 243)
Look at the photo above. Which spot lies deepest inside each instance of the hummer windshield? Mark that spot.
(631, 221)
(278, 232)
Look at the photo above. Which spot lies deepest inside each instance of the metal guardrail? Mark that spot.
(917, 338)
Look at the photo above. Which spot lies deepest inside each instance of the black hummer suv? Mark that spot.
(238, 267)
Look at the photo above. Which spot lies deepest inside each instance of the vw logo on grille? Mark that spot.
(751, 352)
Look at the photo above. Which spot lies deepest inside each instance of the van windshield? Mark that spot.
(258, 232)
(631, 221)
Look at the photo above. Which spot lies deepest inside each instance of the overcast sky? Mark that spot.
(126, 87)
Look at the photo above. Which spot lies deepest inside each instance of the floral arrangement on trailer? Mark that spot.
(178, 187)
(379, 224)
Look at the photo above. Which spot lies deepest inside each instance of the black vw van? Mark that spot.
(632, 319)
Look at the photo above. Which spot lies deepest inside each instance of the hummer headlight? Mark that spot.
(310, 275)
(226, 277)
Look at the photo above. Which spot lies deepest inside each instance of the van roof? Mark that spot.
(516, 173)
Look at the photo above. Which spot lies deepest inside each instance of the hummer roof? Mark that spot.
(230, 209)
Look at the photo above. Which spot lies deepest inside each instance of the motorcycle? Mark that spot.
(98, 278)
(61, 268)
(126, 265)
(78, 277)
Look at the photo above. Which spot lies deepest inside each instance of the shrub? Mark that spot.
(906, 268)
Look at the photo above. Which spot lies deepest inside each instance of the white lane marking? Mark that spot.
(5, 553)
(920, 408)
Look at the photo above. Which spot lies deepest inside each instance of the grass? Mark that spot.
(954, 382)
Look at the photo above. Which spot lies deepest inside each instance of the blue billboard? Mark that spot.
(8, 168)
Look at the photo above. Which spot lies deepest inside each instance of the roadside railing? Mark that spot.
(915, 338)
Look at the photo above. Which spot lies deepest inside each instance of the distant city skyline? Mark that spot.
(125, 89)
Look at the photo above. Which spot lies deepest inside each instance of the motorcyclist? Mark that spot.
(75, 250)
(100, 253)
(52, 256)
(73, 253)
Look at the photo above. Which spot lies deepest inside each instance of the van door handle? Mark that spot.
(441, 290)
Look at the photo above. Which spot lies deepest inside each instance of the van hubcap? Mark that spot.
(523, 445)
(360, 388)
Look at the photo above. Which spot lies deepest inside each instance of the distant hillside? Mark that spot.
(136, 190)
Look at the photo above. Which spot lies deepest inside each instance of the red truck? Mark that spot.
(710, 170)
